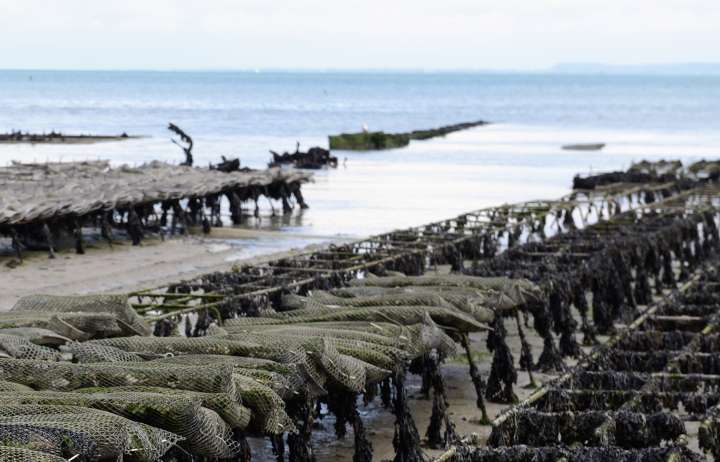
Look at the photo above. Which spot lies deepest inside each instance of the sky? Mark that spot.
(354, 34)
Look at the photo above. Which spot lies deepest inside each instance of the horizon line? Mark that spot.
(558, 68)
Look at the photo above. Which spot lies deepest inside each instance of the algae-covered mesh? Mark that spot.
(117, 305)
(624, 429)
(366, 348)
(13, 346)
(74, 326)
(392, 297)
(185, 345)
(268, 407)
(468, 300)
(11, 454)
(521, 291)
(324, 352)
(11, 386)
(37, 335)
(227, 406)
(204, 431)
(62, 376)
(285, 379)
(378, 341)
(68, 431)
(404, 315)
(322, 330)
(315, 358)
(296, 358)
(290, 366)
(415, 339)
(88, 352)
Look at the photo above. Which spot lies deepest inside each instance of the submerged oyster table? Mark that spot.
(40, 201)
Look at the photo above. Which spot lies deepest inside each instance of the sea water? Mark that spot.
(244, 114)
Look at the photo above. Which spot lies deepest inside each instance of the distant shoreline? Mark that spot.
(59, 138)
(668, 70)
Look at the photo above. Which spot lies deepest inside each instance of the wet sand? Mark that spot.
(125, 268)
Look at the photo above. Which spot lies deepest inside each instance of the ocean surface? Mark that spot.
(244, 114)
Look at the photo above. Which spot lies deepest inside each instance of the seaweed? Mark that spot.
(477, 380)
(315, 158)
(526, 357)
(300, 444)
(440, 416)
(406, 440)
(575, 454)
(628, 430)
(502, 374)
(365, 141)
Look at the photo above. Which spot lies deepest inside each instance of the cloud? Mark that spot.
(354, 33)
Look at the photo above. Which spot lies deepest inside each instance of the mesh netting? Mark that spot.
(227, 406)
(278, 376)
(431, 337)
(316, 358)
(285, 380)
(38, 336)
(342, 369)
(362, 291)
(267, 406)
(379, 355)
(117, 305)
(309, 330)
(313, 377)
(393, 298)
(268, 409)
(61, 376)
(88, 352)
(420, 338)
(184, 345)
(204, 432)
(470, 301)
(12, 346)
(373, 374)
(404, 315)
(11, 386)
(9, 454)
(75, 326)
(521, 291)
(328, 357)
(68, 431)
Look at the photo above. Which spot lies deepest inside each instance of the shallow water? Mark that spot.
(245, 114)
